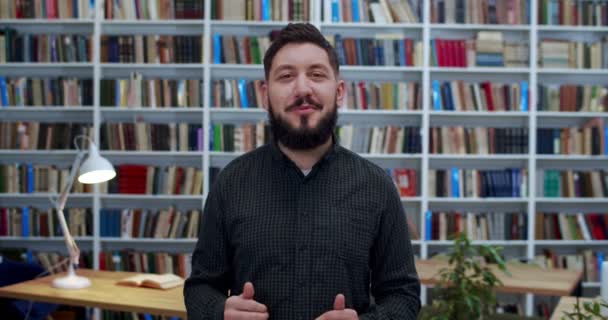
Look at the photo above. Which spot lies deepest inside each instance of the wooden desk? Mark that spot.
(523, 279)
(567, 304)
(103, 293)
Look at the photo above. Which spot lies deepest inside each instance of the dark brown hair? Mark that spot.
(300, 33)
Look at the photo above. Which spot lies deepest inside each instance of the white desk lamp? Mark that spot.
(95, 169)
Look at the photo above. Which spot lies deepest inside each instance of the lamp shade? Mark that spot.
(95, 169)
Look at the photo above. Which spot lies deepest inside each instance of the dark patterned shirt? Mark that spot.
(302, 239)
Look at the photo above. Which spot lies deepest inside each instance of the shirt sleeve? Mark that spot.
(395, 283)
(206, 290)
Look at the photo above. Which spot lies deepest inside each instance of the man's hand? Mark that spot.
(243, 307)
(340, 312)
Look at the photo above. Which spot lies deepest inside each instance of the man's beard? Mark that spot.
(303, 138)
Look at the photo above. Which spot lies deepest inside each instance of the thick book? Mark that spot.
(156, 281)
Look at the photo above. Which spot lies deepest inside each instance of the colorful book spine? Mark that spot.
(524, 96)
(428, 222)
(436, 95)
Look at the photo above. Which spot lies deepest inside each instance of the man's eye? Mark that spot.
(285, 76)
(318, 75)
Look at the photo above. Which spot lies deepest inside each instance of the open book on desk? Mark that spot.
(157, 281)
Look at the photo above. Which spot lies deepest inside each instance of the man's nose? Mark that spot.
(302, 87)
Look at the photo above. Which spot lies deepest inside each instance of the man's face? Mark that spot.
(302, 94)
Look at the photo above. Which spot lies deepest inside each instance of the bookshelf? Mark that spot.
(427, 117)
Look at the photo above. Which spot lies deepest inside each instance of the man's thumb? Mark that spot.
(248, 290)
(339, 302)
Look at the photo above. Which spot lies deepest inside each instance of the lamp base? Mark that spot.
(71, 281)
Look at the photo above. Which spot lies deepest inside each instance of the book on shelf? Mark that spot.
(144, 179)
(478, 140)
(487, 50)
(34, 222)
(512, 12)
(142, 136)
(34, 178)
(25, 47)
(156, 281)
(56, 91)
(261, 10)
(137, 92)
(228, 137)
(380, 12)
(146, 262)
(169, 223)
(239, 49)
(590, 139)
(558, 53)
(588, 261)
(573, 183)
(477, 225)
(151, 49)
(389, 139)
(572, 98)
(154, 9)
(479, 96)
(474, 183)
(573, 13)
(47, 9)
(571, 226)
(382, 50)
(32, 135)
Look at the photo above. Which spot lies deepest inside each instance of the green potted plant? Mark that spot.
(466, 289)
(590, 311)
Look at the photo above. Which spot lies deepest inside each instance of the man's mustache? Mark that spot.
(302, 100)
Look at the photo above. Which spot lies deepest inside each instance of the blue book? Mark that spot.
(455, 183)
(3, 92)
(243, 93)
(402, 58)
(436, 95)
(29, 256)
(428, 221)
(356, 15)
(434, 54)
(600, 260)
(523, 105)
(25, 222)
(266, 10)
(606, 140)
(335, 10)
(340, 49)
(147, 317)
(358, 46)
(211, 135)
(217, 48)
(30, 178)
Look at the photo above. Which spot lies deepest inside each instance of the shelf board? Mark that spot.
(572, 71)
(155, 158)
(557, 28)
(236, 71)
(148, 244)
(571, 242)
(571, 204)
(251, 28)
(478, 204)
(591, 284)
(480, 70)
(496, 119)
(159, 70)
(554, 119)
(571, 162)
(473, 26)
(152, 115)
(48, 157)
(153, 27)
(148, 240)
(51, 69)
(50, 26)
(370, 25)
(182, 202)
(504, 243)
(474, 161)
(76, 114)
(43, 200)
(45, 243)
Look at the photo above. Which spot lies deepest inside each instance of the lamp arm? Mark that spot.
(73, 250)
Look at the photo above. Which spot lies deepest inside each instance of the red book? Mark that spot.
(102, 261)
(363, 96)
(409, 58)
(439, 52)
(487, 89)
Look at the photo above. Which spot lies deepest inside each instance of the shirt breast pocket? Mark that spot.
(352, 233)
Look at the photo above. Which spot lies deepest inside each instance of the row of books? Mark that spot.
(34, 222)
(478, 140)
(24, 91)
(480, 96)
(30, 178)
(588, 140)
(383, 50)
(142, 179)
(142, 136)
(33, 135)
(153, 9)
(571, 226)
(405, 180)
(152, 49)
(476, 225)
(512, 12)
(47, 9)
(143, 223)
(481, 53)
(17, 47)
(572, 98)
(573, 13)
(146, 262)
(383, 95)
(152, 93)
(386, 140)
(244, 137)
(381, 12)
(588, 261)
(473, 183)
(256, 10)
(554, 53)
(574, 183)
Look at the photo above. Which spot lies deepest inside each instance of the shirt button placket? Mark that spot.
(302, 258)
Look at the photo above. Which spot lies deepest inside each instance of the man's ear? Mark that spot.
(340, 92)
(265, 101)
